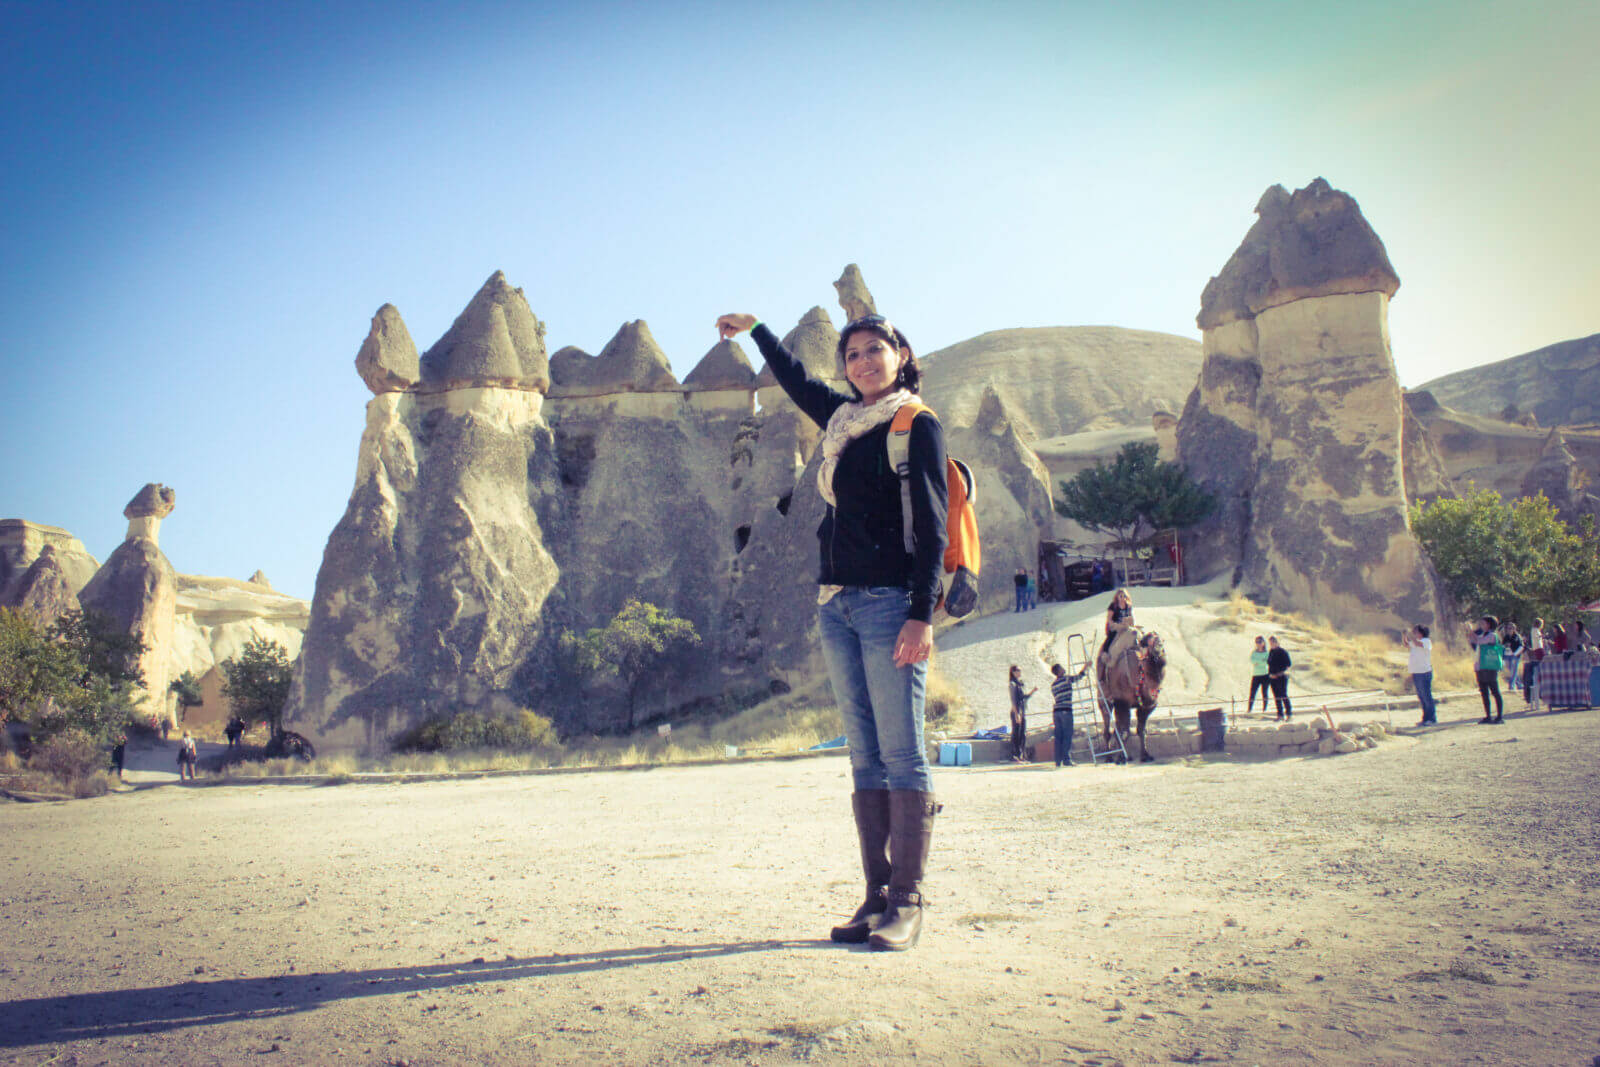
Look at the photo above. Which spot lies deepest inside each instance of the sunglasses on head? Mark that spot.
(869, 321)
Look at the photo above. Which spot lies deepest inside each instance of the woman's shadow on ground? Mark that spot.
(86, 1016)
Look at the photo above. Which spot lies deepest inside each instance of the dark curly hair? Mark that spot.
(910, 376)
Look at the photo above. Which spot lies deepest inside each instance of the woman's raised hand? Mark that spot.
(732, 325)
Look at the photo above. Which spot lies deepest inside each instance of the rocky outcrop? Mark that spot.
(496, 342)
(1061, 380)
(854, 296)
(388, 360)
(137, 589)
(631, 362)
(1297, 422)
(436, 587)
(725, 366)
(22, 545)
(215, 618)
(1558, 385)
(1315, 243)
(1558, 475)
(1483, 452)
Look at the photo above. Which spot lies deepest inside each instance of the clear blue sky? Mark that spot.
(205, 203)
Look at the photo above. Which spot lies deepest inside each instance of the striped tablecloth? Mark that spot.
(1564, 683)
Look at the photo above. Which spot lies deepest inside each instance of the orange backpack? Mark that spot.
(962, 555)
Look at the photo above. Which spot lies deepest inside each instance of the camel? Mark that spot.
(1129, 672)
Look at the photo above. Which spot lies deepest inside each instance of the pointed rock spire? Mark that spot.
(387, 361)
(854, 296)
(724, 367)
(1315, 242)
(814, 342)
(495, 341)
(632, 360)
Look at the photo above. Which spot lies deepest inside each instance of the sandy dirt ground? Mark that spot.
(1430, 901)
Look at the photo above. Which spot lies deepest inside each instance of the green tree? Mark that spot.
(1134, 497)
(106, 651)
(186, 687)
(1514, 560)
(630, 645)
(257, 682)
(46, 678)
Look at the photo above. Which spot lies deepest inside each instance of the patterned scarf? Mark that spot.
(848, 422)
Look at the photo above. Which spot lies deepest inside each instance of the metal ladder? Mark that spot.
(1077, 657)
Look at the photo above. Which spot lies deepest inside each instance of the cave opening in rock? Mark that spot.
(783, 503)
(741, 537)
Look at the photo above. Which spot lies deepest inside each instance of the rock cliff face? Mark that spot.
(215, 618)
(138, 589)
(436, 587)
(42, 568)
(1558, 385)
(1512, 458)
(1062, 380)
(1297, 421)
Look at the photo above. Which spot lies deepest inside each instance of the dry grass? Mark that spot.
(1350, 661)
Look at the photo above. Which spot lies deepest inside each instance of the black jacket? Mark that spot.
(861, 540)
(1278, 661)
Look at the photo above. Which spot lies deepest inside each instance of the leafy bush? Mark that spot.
(520, 731)
(257, 682)
(1134, 497)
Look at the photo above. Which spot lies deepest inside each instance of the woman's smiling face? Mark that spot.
(871, 364)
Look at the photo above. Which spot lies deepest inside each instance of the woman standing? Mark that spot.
(1486, 640)
(1019, 715)
(1421, 667)
(875, 603)
(1278, 664)
(1258, 676)
(1512, 640)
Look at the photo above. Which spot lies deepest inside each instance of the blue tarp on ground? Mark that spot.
(999, 733)
(837, 742)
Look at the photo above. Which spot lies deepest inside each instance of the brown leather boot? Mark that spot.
(911, 817)
(872, 830)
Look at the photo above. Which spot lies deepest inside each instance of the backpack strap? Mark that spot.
(899, 444)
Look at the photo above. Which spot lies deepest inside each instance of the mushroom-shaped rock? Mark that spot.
(854, 296)
(258, 578)
(153, 501)
(495, 341)
(632, 362)
(724, 367)
(815, 343)
(388, 360)
(1313, 243)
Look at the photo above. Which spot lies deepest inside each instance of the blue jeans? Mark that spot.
(1022, 599)
(1424, 684)
(1512, 659)
(881, 704)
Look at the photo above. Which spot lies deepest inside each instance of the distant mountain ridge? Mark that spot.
(1558, 384)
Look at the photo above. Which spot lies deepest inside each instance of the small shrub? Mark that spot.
(70, 754)
(520, 731)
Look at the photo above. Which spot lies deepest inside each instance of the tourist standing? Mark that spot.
(1485, 641)
(875, 602)
(1019, 715)
(187, 755)
(1421, 667)
(1278, 664)
(1258, 676)
(1020, 580)
(1061, 710)
(1512, 640)
(119, 752)
(1033, 593)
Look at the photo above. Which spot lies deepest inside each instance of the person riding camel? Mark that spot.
(1119, 621)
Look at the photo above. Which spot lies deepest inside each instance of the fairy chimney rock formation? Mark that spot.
(1298, 424)
(146, 510)
(1315, 243)
(388, 360)
(725, 366)
(23, 544)
(496, 341)
(854, 296)
(138, 588)
(631, 362)
(258, 578)
(814, 342)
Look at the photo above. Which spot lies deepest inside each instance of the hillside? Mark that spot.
(1064, 379)
(1559, 384)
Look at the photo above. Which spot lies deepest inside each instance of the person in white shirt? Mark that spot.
(1421, 667)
